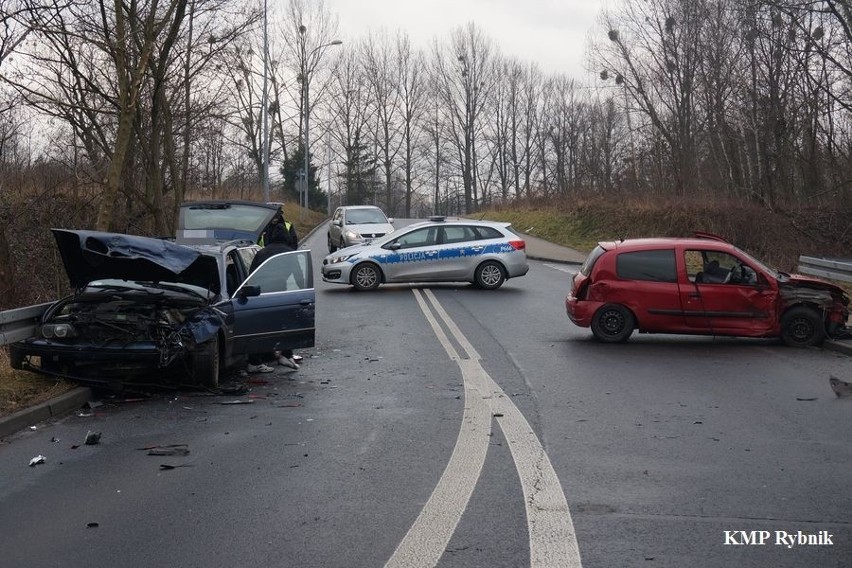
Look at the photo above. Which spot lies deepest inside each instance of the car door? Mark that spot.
(717, 303)
(647, 282)
(458, 252)
(274, 308)
(412, 257)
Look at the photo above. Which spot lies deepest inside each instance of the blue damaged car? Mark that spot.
(439, 250)
(176, 312)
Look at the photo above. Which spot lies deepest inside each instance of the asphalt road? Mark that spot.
(449, 426)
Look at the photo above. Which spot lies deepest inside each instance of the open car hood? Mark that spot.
(95, 255)
(201, 221)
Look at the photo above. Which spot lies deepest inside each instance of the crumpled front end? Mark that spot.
(98, 340)
(831, 300)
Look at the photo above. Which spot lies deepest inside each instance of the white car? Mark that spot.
(355, 224)
(439, 250)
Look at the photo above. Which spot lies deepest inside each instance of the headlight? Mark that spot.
(58, 331)
(340, 258)
(351, 235)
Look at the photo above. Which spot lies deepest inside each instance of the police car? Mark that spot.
(438, 250)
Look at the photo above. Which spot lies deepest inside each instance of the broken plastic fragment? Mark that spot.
(37, 460)
(92, 438)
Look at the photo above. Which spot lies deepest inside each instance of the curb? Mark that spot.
(838, 346)
(54, 407)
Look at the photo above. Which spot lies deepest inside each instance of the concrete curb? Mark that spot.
(838, 346)
(54, 407)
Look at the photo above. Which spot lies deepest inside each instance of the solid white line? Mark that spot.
(553, 542)
(427, 539)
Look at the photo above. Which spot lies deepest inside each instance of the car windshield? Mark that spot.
(365, 217)
(756, 263)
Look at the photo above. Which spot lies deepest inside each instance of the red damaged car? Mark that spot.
(700, 286)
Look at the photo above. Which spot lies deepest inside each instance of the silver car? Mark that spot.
(439, 250)
(355, 224)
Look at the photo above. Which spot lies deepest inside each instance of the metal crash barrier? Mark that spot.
(20, 323)
(831, 268)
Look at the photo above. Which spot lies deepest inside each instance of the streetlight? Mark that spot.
(265, 110)
(305, 82)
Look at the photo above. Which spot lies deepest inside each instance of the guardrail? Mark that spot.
(831, 268)
(20, 323)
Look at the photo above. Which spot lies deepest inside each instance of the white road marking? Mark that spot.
(553, 542)
(562, 268)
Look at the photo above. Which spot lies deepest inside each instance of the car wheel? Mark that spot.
(331, 247)
(342, 244)
(613, 323)
(366, 276)
(489, 275)
(206, 365)
(802, 327)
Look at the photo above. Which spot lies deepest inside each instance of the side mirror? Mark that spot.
(391, 220)
(248, 291)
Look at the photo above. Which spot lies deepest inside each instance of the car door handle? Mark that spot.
(695, 295)
(306, 302)
(476, 249)
(431, 252)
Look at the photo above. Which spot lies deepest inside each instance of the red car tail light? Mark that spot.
(518, 245)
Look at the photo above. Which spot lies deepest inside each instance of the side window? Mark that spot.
(487, 233)
(282, 273)
(457, 234)
(651, 265)
(716, 267)
(424, 237)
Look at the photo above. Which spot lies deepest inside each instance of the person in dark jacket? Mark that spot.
(279, 230)
(279, 236)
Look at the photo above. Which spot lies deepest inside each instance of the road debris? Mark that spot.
(165, 466)
(167, 450)
(37, 460)
(840, 388)
(92, 525)
(230, 402)
(92, 438)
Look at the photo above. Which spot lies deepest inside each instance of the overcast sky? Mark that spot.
(552, 33)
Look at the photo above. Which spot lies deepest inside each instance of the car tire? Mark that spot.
(366, 276)
(489, 275)
(802, 326)
(206, 364)
(613, 323)
(16, 360)
(331, 247)
(342, 244)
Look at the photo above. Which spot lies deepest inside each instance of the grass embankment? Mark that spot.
(777, 237)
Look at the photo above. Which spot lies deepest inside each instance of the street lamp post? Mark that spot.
(265, 110)
(305, 85)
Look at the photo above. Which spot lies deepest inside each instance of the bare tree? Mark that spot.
(382, 73)
(465, 75)
(654, 52)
